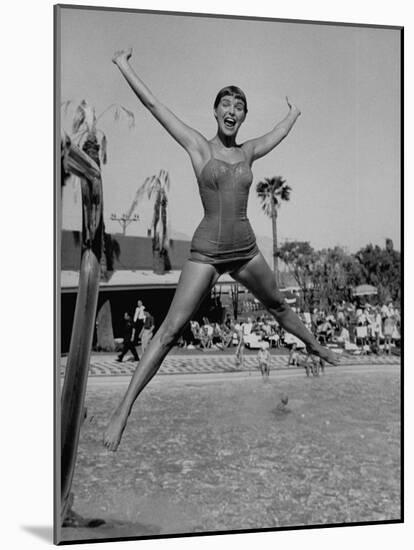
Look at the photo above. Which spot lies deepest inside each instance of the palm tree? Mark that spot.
(271, 192)
(85, 164)
(157, 187)
(85, 131)
(92, 140)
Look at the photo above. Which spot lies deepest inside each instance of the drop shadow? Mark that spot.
(44, 533)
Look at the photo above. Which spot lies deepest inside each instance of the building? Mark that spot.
(131, 278)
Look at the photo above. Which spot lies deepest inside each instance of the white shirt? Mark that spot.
(139, 313)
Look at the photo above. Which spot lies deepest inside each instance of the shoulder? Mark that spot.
(248, 151)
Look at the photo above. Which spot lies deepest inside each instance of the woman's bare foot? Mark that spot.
(324, 353)
(113, 434)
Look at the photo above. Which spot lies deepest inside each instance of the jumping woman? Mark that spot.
(224, 241)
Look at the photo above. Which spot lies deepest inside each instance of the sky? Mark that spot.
(342, 158)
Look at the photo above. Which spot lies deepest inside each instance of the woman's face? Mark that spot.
(230, 114)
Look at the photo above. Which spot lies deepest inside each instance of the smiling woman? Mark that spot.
(230, 107)
(224, 241)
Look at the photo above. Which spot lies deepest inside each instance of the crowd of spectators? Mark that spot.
(353, 327)
(359, 328)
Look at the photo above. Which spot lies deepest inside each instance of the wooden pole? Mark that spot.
(79, 163)
(76, 375)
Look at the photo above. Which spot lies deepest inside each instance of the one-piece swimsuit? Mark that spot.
(224, 237)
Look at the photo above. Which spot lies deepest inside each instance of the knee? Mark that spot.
(169, 333)
(277, 305)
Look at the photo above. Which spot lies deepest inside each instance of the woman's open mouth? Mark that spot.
(229, 122)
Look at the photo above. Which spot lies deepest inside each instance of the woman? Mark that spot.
(224, 241)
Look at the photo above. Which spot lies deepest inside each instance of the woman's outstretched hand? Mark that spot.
(121, 55)
(293, 108)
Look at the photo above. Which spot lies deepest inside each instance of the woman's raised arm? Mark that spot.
(192, 141)
(259, 147)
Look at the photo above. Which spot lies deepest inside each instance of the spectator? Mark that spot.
(307, 319)
(147, 330)
(385, 311)
(240, 347)
(139, 318)
(206, 333)
(127, 344)
(340, 314)
(344, 337)
(226, 335)
(217, 337)
(313, 365)
(264, 359)
(247, 327)
(389, 332)
(196, 335)
(362, 335)
(293, 356)
(324, 332)
(228, 322)
(377, 327)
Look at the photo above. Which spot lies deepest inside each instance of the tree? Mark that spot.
(325, 277)
(300, 258)
(85, 131)
(93, 141)
(335, 273)
(157, 187)
(271, 192)
(381, 267)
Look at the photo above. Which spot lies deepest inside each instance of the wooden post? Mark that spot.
(79, 163)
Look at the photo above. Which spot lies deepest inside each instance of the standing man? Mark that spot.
(139, 318)
(128, 343)
(264, 359)
(147, 330)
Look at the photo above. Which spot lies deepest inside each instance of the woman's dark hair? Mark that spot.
(234, 91)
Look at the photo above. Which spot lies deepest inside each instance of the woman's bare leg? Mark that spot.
(195, 282)
(257, 277)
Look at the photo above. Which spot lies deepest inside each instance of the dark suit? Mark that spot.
(128, 345)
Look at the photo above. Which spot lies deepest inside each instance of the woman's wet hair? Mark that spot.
(233, 91)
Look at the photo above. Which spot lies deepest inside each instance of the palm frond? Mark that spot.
(153, 186)
(266, 205)
(285, 193)
(272, 189)
(65, 106)
(79, 137)
(130, 117)
(78, 119)
(90, 117)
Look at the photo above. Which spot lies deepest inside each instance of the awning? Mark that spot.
(364, 290)
(131, 279)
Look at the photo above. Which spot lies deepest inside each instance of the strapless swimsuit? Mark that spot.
(224, 237)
